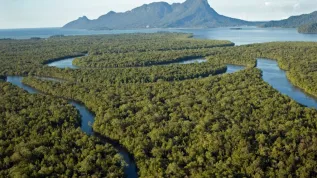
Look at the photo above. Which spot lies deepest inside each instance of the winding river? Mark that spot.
(68, 63)
(233, 68)
(272, 74)
(88, 117)
(65, 63)
(198, 60)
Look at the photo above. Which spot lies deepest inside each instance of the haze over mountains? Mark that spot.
(190, 14)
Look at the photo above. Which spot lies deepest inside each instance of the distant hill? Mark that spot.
(190, 14)
(308, 29)
(293, 21)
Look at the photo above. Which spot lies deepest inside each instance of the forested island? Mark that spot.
(188, 120)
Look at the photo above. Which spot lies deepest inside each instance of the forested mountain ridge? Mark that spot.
(293, 21)
(190, 14)
(308, 28)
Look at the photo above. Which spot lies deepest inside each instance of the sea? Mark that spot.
(240, 36)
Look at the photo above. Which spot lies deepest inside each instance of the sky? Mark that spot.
(56, 13)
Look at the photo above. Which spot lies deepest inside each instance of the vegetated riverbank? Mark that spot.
(175, 122)
(227, 126)
(59, 150)
(200, 71)
(3, 78)
(60, 63)
(142, 74)
(141, 59)
(297, 58)
(65, 57)
(87, 63)
(129, 159)
(131, 171)
(34, 54)
(278, 79)
(87, 118)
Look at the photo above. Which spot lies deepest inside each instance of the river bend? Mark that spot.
(276, 77)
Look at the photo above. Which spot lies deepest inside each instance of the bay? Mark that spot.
(245, 35)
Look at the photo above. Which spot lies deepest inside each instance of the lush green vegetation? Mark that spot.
(308, 28)
(230, 125)
(158, 49)
(177, 120)
(297, 58)
(27, 57)
(136, 75)
(39, 137)
(139, 59)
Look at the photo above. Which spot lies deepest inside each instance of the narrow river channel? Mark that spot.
(87, 119)
(68, 63)
(276, 77)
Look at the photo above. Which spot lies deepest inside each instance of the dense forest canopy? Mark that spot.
(39, 137)
(176, 120)
(140, 59)
(28, 57)
(297, 58)
(218, 126)
(32, 122)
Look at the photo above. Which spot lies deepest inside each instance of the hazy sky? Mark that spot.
(56, 13)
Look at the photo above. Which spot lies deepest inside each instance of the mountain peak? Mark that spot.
(197, 1)
(204, 1)
(111, 12)
(189, 14)
(83, 18)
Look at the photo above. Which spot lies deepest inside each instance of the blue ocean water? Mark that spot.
(247, 35)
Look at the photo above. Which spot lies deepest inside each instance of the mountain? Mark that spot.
(190, 14)
(293, 21)
(81, 21)
(308, 28)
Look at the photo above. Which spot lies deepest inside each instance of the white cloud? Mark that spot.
(296, 6)
(268, 3)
